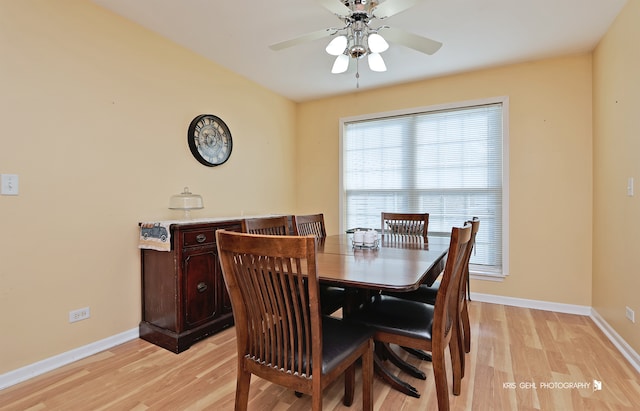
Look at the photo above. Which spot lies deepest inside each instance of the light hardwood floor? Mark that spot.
(512, 349)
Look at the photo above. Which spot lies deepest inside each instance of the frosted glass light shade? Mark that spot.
(341, 64)
(337, 46)
(377, 44)
(186, 201)
(376, 63)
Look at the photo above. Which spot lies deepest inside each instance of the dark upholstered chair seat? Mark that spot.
(331, 298)
(397, 315)
(339, 339)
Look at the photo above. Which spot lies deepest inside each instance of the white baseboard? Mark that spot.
(615, 338)
(622, 346)
(535, 304)
(22, 374)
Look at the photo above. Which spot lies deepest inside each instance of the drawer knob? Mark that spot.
(201, 238)
(202, 287)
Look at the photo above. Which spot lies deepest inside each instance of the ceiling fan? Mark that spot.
(357, 39)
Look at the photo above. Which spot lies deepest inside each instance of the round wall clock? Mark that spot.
(209, 140)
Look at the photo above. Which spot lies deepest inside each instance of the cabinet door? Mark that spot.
(201, 299)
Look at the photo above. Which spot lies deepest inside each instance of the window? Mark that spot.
(447, 161)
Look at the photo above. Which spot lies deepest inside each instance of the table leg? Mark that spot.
(423, 355)
(353, 298)
(391, 355)
(392, 380)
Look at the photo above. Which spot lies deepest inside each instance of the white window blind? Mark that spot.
(447, 163)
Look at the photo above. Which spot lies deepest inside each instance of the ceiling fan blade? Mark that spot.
(419, 43)
(336, 7)
(391, 7)
(305, 38)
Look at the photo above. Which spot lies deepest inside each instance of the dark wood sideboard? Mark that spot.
(184, 298)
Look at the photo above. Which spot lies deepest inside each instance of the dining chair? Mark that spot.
(309, 224)
(331, 298)
(406, 229)
(281, 334)
(277, 225)
(403, 226)
(428, 327)
(427, 294)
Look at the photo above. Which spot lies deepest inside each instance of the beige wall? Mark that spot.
(616, 257)
(550, 155)
(93, 118)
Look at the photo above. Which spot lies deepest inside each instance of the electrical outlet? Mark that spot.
(631, 316)
(80, 314)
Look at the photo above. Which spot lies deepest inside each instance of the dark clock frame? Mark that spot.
(192, 137)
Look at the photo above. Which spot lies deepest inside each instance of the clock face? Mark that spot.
(209, 140)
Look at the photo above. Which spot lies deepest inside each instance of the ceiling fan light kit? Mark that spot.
(357, 39)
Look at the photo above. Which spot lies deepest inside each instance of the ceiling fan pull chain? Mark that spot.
(357, 73)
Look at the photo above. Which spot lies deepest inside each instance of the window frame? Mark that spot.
(477, 272)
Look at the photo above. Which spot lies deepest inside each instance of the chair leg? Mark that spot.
(242, 389)
(367, 378)
(466, 326)
(460, 346)
(316, 397)
(468, 286)
(349, 385)
(457, 359)
(440, 377)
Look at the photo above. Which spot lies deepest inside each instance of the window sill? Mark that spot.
(482, 273)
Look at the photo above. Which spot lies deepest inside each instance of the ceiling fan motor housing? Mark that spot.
(355, 5)
(358, 46)
(357, 51)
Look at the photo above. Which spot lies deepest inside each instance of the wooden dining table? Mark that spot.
(397, 266)
(391, 266)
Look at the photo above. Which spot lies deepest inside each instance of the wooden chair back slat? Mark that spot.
(266, 225)
(405, 227)
(311, 224)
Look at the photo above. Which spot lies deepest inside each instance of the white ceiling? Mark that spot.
(475, 33)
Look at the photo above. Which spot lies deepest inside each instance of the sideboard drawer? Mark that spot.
(198, 237)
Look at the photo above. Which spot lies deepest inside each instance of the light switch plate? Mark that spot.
(9, 185)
